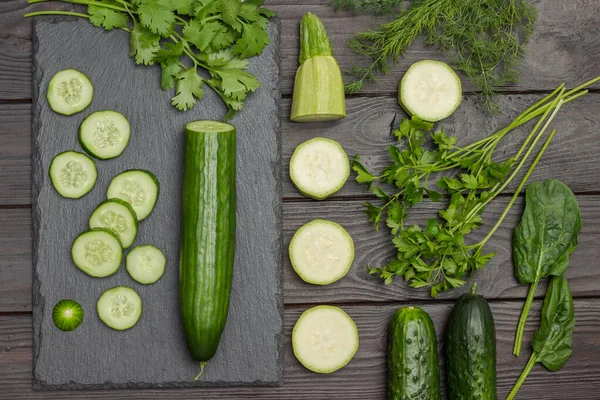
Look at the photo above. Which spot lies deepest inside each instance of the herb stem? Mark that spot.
(83, 2)
(532, 360)
(523, 318)
(67, 13)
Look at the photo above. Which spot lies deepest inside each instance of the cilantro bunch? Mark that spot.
(196, 42)
(437, 254)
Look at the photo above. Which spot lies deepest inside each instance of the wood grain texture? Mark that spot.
(571, 157)
(497, 281)
(565, 46)
(364, 377)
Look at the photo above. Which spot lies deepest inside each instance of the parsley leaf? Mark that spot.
(189, 88)
(252, 42)
(107, 18)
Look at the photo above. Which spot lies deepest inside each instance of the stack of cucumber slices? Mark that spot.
(113, 226)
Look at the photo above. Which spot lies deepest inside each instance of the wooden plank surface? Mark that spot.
(497, 281)
(571, 157)
(364, 377)
(557, 52)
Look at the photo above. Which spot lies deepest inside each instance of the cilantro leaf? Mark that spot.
(236, 83)
(157, 16)
(252, 42)
(183, 7)
(229, 11)
(169, 75)
(143, 44)
(202, 35)
(170, 53)
(107, 18)
(189, 88)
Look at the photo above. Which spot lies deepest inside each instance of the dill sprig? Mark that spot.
(377, 7)
(484, 38)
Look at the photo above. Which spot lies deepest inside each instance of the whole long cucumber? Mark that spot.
(208, 234)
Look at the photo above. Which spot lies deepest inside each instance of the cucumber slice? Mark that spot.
(137, 187)
(118, 217)
(104, 134)
(69, 92)
(430, 90)
(321, 252)
(146, 264)
(324, 339)
(67, 315)
(97, 252)
(319, 167)
(73, 174)
(119, 308)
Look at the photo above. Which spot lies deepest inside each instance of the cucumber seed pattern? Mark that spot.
(114, 222)
(97, 253)
(147, 262)
(70, 90)
(121, 306)
(133, 193)
(106, 133)
(72, 175)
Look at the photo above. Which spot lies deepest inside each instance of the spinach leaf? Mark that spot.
(552, 342)
(545, 237)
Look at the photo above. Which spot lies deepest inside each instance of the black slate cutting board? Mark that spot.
(153, 353)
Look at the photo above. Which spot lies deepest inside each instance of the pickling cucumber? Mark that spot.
(146, 264)
(118, 217)
(67, 315)
(137, 187)
(73, 174)
(430, 90)
(324, 339)
(69, 92)
(97, 252)
(104, 134)
(321, 252)
(208, 224)
(119, 308)
(319, 167)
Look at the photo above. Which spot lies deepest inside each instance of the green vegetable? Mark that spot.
(146, 264)
(69, 92)
(73, 174)
(471, 349)
(118, 217)
(119, 308)
(321, 252)
(484, 38)
(324, 339)
(97, 252)
(196, 43)
(67, 315)
(434, 254)
(552, 342)
(137, 187)
(378, 7)
(207, 234)
(104, 134)
(413, 364)
(545, 237)
(318, 87)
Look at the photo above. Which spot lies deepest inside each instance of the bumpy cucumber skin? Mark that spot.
(413, 360)
(408, 109)
(329, 193)
(471, 349)
(52, 180)
(313, 38)
(124, 204)
(90, 151)
(207, 238)
(154, 179)
(67, 324)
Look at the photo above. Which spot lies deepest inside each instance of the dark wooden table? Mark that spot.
(565, 47)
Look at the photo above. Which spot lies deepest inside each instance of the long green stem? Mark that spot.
(82, 2)
(523, 318)
(68, 13)
(514, 198)
(532, 360)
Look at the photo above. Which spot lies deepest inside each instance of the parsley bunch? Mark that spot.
(436, 255)
(186, 38)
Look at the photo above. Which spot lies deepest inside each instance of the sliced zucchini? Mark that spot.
(97, 252)
(73, 174)
(119, 308)
(69, 92)
(137, 187)
(146, 264)
(321, 252)
(319, 167)
(324, 339)
(430, 90)
(104, 134)
(118, 217)
(67, 315)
